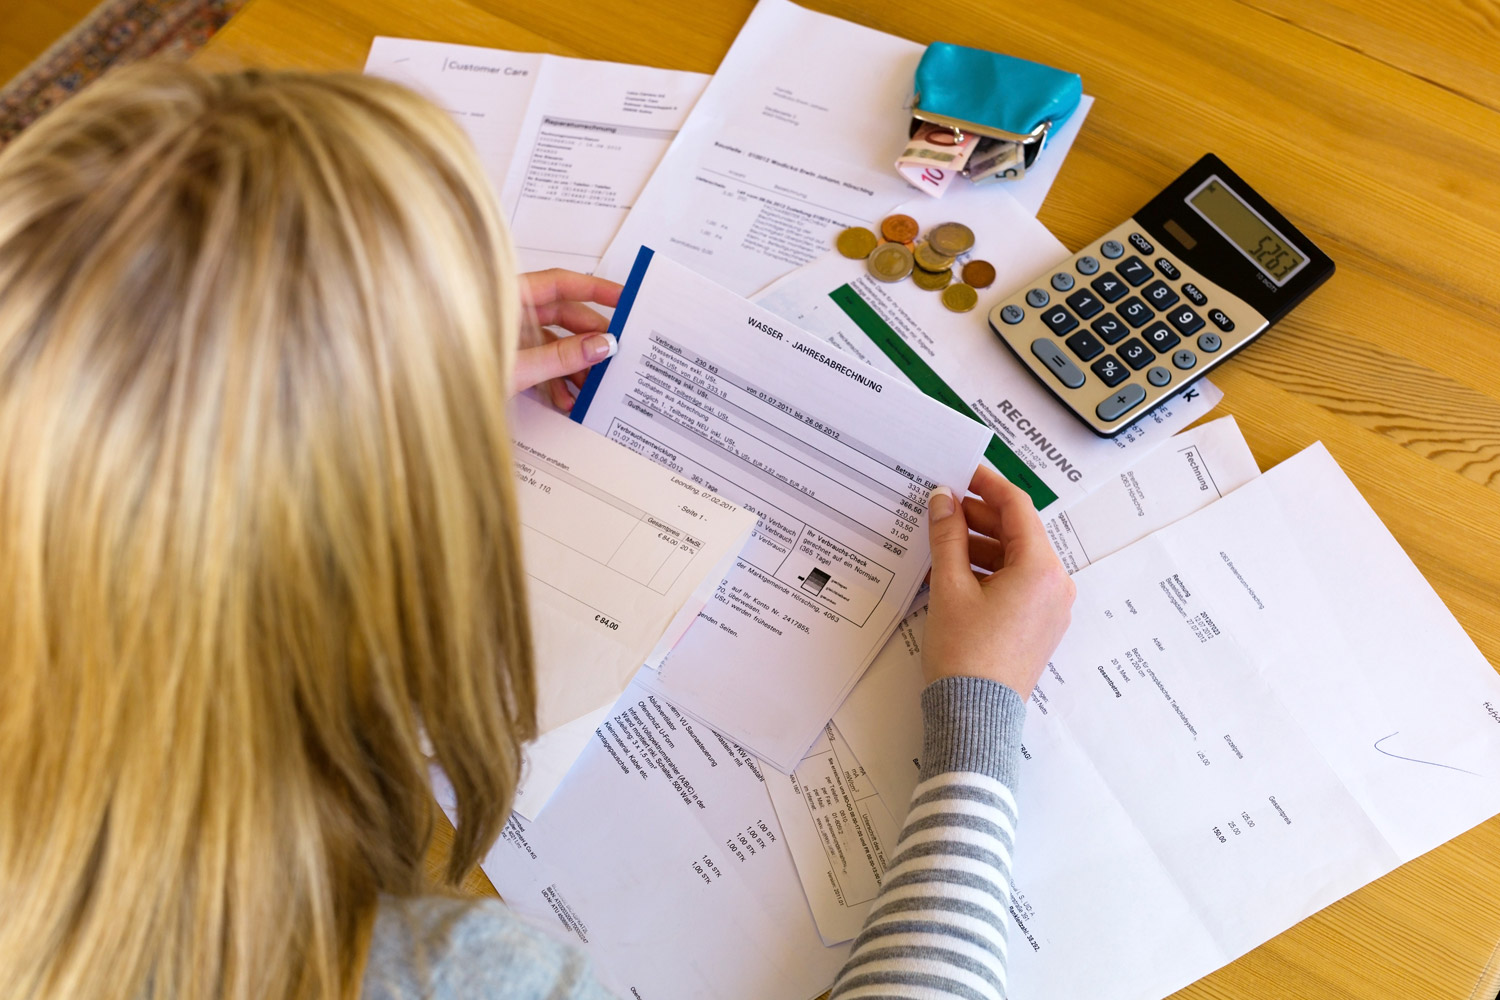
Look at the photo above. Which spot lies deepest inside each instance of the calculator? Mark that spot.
(1154, 304)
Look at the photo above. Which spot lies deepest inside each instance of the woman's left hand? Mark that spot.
(557, 298)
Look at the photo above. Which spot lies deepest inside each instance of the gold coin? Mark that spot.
(889, 262)
(932, 280)
(951, 238)
(856, 242)
(929, 259)
(979, 273)
(900, 228)
(960, 298)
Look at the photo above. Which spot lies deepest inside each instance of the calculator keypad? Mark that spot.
(1133, 271)
(1160, 295)
(1110, 371)
(1059, 320)
(1136, 354)
(1110, 287)
(1085, 304)
(1109, 328)
(1136, 312)
(1123, 321)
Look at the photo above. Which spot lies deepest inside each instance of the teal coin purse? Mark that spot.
(1000, 98)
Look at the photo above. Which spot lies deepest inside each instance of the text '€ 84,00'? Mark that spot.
(1153, 305)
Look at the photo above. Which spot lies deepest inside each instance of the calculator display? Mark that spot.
(1243, 226)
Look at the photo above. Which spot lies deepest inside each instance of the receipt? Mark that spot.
(621, 556)
(835, 459)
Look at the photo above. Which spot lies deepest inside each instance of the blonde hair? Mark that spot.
(256, 528)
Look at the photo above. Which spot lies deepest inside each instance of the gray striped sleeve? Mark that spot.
(937, 929)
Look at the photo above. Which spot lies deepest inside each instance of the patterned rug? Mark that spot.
(115, 33)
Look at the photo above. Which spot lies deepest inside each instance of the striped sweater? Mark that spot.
(937, 929)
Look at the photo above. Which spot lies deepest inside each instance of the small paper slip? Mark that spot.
(836, 460)
(621, 557)
(791, 142)
(1259, 709)
(663, 859)
(567, 143)
(905, 330)
(840, 833)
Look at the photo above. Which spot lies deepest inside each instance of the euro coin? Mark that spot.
(960, 298)
(856, 243)
(900, 228)
(932, 280)
(889, 262)
(929, 259)
(979, 273)
(951, 238)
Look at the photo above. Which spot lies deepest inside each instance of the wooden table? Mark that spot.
(1375, 126)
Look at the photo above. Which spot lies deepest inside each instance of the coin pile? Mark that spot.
(897, 254)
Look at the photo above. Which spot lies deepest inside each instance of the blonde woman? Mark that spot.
(257, 537)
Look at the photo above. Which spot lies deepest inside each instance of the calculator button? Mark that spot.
(1087, 264)
(1038, 297)
(1062, 281)
(1160, 295)
(1085, 304)
(1160, 336)
(1110, 371)
(1012, 314)
(1109, 328)
(1184, 359)
(1136, 354)
(1135, 312)
(1158, 376)
(1220, 320)
(1085, 345)
(1194, 296)
(1057, 362)
(1059, 320)
(1168, 269)
(1111, 249)
(1109, 287)
(1121, 402)
(1209, 342)
(1141, 243)
(1185, 320)
(1133, 271)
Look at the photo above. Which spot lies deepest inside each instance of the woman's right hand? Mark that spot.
(1002, 624)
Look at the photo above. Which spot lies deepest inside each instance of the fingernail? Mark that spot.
(600, 346)
(939, 503)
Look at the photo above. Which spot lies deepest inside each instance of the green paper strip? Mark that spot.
(927, 380)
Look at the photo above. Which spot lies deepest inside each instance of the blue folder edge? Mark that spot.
(617, 327)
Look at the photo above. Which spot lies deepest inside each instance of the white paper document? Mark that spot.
(621, 556)
(908, 332)
(568, 143)
(662, 857)
(839, 831)
(835, 459)
(1258, 709)
(792, 141)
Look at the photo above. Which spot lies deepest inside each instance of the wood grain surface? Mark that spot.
(1374, 126)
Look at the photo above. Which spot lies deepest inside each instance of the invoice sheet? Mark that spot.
(662, 857)
(568, 143)
(881, 720)
(794, 140)
(835, 459)
(955, 357)
(621, 556)
(839, 831)
(1258, 709)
